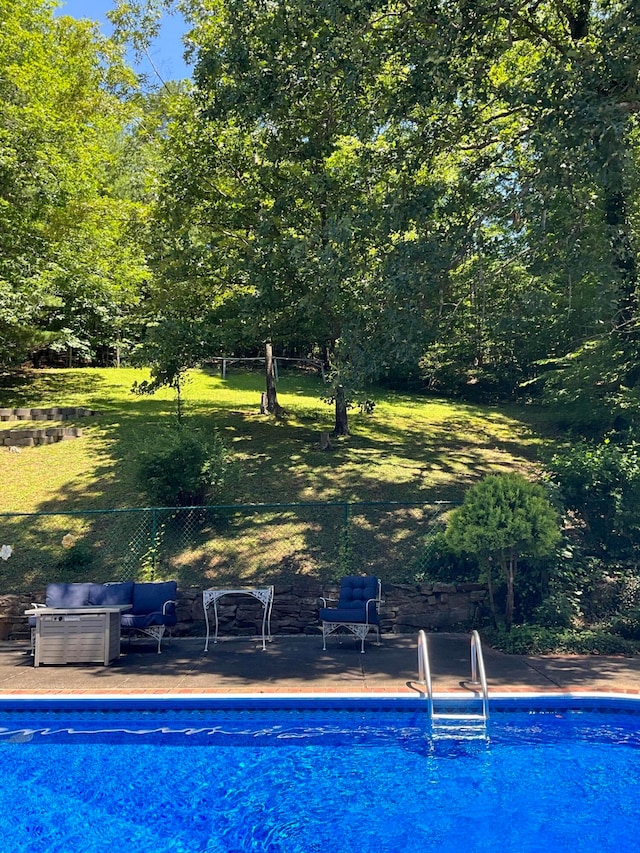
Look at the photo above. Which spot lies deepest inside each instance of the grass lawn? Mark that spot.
(411, 449)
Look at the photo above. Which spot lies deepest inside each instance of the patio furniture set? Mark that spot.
(83, 622)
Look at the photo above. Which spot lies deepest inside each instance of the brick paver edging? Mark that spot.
(380, 691)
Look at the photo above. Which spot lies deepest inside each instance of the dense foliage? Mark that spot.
(71, 258)
(600, 480)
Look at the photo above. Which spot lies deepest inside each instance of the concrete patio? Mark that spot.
(299, 665)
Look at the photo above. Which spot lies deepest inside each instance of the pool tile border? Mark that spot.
(326, 691)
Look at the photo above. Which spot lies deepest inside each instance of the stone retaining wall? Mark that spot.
(61, 413)
(407, 608)
(33, 437)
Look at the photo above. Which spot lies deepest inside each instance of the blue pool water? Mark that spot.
(337, 776)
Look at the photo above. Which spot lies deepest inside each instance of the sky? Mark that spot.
(166, 51)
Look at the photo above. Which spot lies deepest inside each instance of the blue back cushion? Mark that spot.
(67, 594)
(356, 590)
(113, 593)
(150, 597)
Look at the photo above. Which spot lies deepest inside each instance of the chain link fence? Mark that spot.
(221, 545)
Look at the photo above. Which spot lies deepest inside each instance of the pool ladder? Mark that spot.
(450, 720)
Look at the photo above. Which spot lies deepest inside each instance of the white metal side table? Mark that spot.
(264, 595)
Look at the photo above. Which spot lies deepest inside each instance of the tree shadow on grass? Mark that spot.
(19, 389)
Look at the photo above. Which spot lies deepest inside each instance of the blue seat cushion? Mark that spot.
(68, 594)
(111, 594)
(356, 589)
(132, 622)
(349, 614)
(148, 603)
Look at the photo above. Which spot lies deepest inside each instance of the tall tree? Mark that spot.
(279, 174)
(70, 259)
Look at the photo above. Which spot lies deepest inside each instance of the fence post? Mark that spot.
(154, 530)
(345, 545)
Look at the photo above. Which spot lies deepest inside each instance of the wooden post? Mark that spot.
(325, 441)
(342, 424)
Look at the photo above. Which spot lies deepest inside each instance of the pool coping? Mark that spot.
(160, 695)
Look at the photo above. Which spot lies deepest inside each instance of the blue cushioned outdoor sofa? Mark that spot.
(153, 605)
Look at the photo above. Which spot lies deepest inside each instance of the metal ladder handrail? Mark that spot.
(424, 668)
(477, 669)
(478, 674)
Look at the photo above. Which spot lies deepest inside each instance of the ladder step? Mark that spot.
(458, 717)
(457, 734)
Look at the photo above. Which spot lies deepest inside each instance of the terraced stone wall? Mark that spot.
(29, 437)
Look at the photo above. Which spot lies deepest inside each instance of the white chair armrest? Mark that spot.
(366, 607)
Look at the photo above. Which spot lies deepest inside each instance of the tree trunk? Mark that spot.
(273, 407)
(342, 423)
(509, 570)
(179, 401)
(492, 601)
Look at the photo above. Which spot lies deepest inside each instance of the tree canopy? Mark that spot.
(71, 259)
(417, 189)
(420, 191)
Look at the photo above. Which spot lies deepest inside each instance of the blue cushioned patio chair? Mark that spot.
(357, 609)
(153, 610)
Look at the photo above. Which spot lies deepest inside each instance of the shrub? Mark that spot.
(601, 481)
(504, 517)
(627, 626)
(186, 468)
(558, 610)
(77, 558)
(537, 640)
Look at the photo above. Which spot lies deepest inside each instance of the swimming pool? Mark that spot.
(331, 775)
